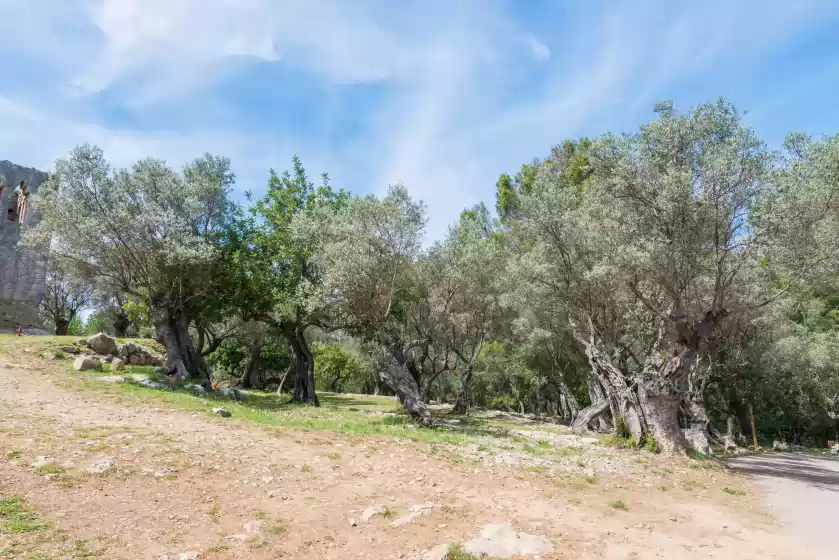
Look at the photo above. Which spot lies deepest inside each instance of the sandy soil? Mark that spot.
(182, 483)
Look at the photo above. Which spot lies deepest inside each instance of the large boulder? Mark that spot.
(102, 344)
(83, 363)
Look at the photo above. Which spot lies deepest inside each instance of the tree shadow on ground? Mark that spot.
(822, 472)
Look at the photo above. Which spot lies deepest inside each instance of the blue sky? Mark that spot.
(440, 95)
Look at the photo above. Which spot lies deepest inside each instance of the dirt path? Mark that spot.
(802, 492)
(180, 483)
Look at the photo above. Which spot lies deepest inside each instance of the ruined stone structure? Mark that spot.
(21, 273)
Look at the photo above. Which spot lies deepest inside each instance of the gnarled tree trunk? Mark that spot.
(570, 406)
(171, 327)
(397, 374)
(661, 411)
(461, 405)
(61, 326)
(121, 324)
(249, 380)
(304, 365)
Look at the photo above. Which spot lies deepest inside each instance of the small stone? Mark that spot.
(254, 526)
(672, 518)
(267, 479)
(42, 461)
(69, 349)
(190, 555)
(49, 356)
(117, 364)
(111, 379)
(353, 522)
(371, 511)
(221, 412)
(231, 393)
(100, 467)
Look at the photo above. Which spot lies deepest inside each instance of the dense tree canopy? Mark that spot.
(660, 283)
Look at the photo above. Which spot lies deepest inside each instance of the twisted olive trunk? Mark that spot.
(462, 403)
(62, 326)
(171, 327)
(397, 373)
(304, 365)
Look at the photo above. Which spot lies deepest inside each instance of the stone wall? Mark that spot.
(21, 273)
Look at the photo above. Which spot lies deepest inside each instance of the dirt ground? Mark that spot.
(179, 484)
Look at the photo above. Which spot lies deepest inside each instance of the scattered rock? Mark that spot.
(780, 446)
(101, 466)
(502, 541)
(195, 389)
(111, 379)
(371, 511)
(240, 537)
(70, 349)
(165, 472)
(137, 355)
(42, 460)
(231, 393)
(414, 513)
(83, 363)
(221, 412)
(190, 555)
(353, 522)
(117, 364)
(102, 344)
(146, 382)
(254, 526)
(49, 356)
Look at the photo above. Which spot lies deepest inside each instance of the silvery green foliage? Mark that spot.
(661, 230)
(148, 230)
(799, 217)
(368, 253)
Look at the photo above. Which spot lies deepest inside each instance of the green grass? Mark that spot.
(215, 513)
(276, 530)
(734, 491)
(456, 552)
(619, 504)
(17, 519)
(51, 469)
(269, 409)
(14, 454)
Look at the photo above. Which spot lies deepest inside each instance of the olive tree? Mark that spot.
(650, 258)
(148, 231)
(368, 254)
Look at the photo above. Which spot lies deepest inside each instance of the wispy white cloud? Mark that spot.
(465, 89)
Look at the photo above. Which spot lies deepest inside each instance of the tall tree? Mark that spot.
(64, 296)
(281, 269)
(368, 254)
(649, 259)
(148, 231)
